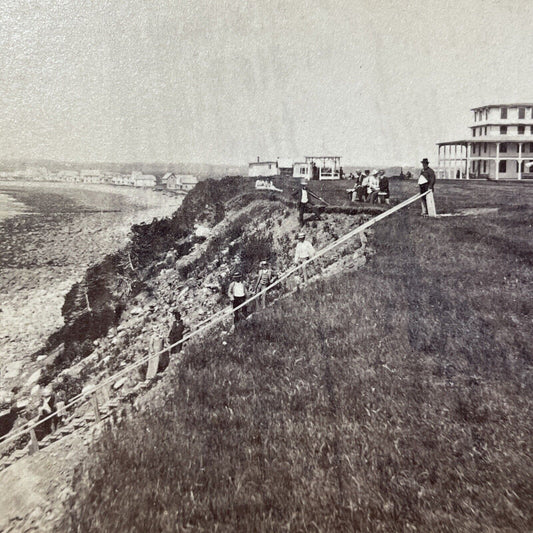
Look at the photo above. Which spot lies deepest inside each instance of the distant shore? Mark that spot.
(60, 230)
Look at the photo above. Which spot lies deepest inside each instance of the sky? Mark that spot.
(223, 82)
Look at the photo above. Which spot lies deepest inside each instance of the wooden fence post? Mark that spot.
(430, 202)
(34, 443)
(106, 396)
(94, 401)
(153, 364)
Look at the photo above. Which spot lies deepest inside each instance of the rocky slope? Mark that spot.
(183, 263)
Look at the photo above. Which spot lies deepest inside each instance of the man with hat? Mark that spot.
(304, 250)
(264, 278)
(237, 296)
(305, 204)
(426, 182)
(46, 413)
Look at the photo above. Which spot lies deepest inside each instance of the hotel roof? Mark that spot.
(500, 105)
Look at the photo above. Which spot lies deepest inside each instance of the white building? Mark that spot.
(144, 180)
(70, 176)
(181, 182)
(303, 170)
(263, 169)
(500, 145)
(91, 176)
(323, 167)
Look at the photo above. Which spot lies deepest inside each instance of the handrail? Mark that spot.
(217, 317)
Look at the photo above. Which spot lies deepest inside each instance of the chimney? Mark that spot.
(258, 159)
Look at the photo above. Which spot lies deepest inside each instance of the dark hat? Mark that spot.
(236, 275)
(425, 160)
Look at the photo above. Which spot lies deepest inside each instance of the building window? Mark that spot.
(503, 113)
(485, 130)
(503, 148)
(486, 114)
(531, 148)
(474, 132)
(474, 149)
(502, 167)
(521, 130)
(531, 129)
(484, 167)
(521, 112)
(503, 130)
(485, 147)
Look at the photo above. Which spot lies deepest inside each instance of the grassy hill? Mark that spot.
(392, 398)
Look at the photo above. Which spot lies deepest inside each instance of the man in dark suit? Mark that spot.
(426, 182)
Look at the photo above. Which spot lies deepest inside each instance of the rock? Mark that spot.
(6, 398)
(22, 404)
(201, 231)
(87, 389)
(34, 378)
(41, 357)
(35, 390)
(119, 383)
(13, 369)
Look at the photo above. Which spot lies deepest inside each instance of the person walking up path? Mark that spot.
(264, 278)
(237, 296)
(304, 250)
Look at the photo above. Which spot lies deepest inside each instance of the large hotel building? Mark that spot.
(500, 146)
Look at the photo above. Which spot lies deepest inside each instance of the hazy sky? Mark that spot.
(226, 81)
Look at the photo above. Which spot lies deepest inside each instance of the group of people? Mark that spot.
(370, 187)
(238, 293)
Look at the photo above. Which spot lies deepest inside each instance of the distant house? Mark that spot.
(188, 182)
(166, 177)
(303, 170)
(91, 176)
(144, 180)
(285, 167)
(263, 169)
(181, 182)
(69, 176)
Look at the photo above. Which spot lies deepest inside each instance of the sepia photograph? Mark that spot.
(266, 266)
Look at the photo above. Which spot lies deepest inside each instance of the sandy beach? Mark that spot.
(49, 234)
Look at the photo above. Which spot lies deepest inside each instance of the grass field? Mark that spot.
(394, 398)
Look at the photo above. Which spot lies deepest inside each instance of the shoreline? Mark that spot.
(44, 253)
